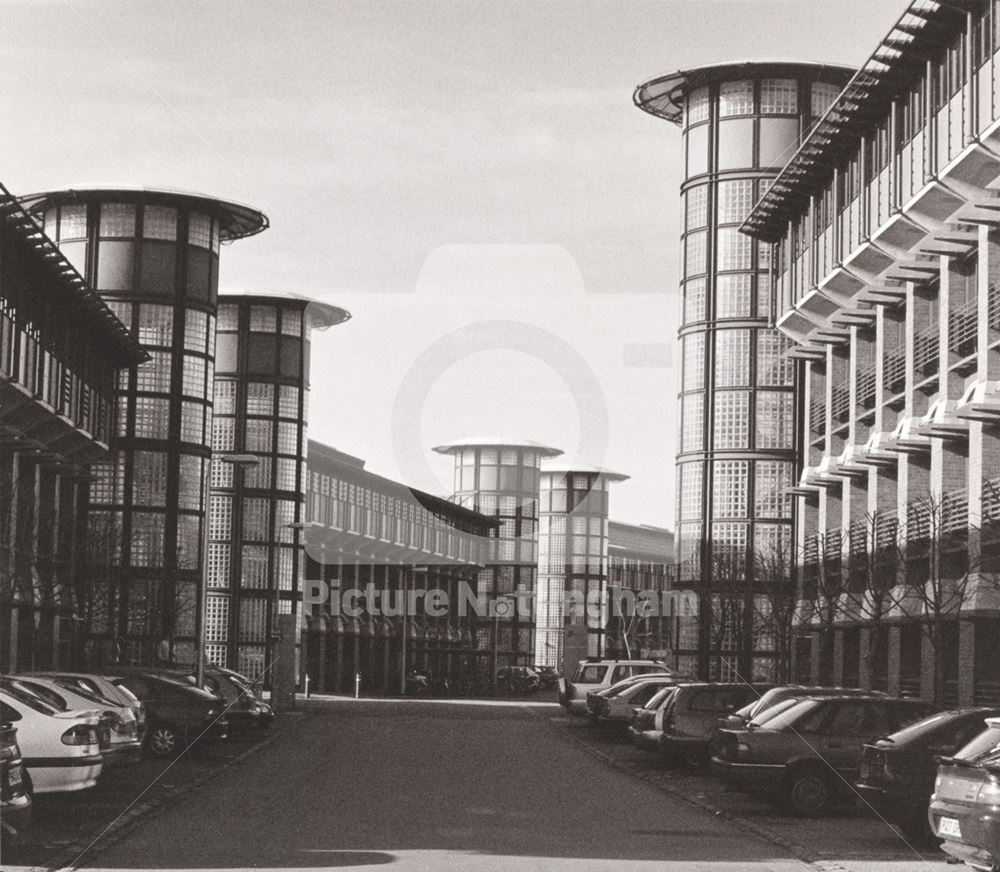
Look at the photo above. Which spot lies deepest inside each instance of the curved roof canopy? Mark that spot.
(321, 314)
(236, 220)
(583, 469)
(497, 442)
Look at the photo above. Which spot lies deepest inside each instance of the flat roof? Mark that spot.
(664, 95)
(900, 58)
(237, 221)
(583, 469)
(322, 314)
(497, 442)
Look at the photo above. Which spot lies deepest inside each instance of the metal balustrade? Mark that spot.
(841, 405)
(865, 387)
(817, 415)
(925, 350)
(993, 299)
(962, 327)
(894, 370)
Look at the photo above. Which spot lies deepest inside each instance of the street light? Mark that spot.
(241, 462)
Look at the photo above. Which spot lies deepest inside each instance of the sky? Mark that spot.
(469, 179)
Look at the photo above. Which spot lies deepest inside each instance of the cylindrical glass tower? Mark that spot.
(259, 437)
(572, 559)
(736, 453)
(501, 480)
(154, 257)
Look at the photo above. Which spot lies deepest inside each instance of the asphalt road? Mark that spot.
(433, 786)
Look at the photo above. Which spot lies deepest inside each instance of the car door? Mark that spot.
(849, 725)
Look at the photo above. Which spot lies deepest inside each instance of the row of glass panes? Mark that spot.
(773, 420)
(556, 525)
(731, 487)
(155, 375)
(285, 437)
(256, 518)
(577, 481)
(155, 325)
(252, 619)
(776, 97)
(262, 319)
(149, 480)
(733, 201)
(147, 540)
(256, 562)
(771, 544)
(119, 221)
(583, 502)
(733, 358)
(505, 457)
(733, 297)
(496, 478)
(152, 419)
(734, 251)
(259, 401)
(269, 473)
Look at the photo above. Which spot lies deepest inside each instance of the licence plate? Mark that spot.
(14, 776)
(949, 827)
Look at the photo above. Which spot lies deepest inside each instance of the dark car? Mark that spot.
(15, 800)
(177, 713)
(749, 712)
(805, 756)
(517, 679)
(244, 711)
(547, 675)
(896, 775)
(963, 807)
(692, 712)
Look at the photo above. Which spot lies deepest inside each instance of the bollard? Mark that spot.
(307, 685)
(357, 684)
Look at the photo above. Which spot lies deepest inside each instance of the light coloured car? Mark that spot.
(594, 697)
(620, 708)
(647, 726)
(124, 745)
(596, 673)
(61, 751)
(102, 686)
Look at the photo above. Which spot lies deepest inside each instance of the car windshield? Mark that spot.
(86, 693)
(32, 702)
(984, 748)
(590, 674)
(772, 712)
(923, 727)
(40, 691)
(787, 715)
(766, 701)
(659, 699)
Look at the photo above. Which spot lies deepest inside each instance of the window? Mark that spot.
(285, 477)
(147, 539)
(288, 442)
(189, 485)
(255, 567)
(734, 249)
(732, 358)
(259, 435)
(155, 374)
(771, 480)
(218, 565)
(736, 138)
(288, 401)
(693, 422)
(194, 375)
(690, 475)
(732, 412)
(152, 417)
(196, 331)
(159, 222)
(225, 397)
(156, 325)
(822, 97)
(694, 300)
(199, 230)
(695, 253)
(694, 361)
(116, 266)
(118, 220)
(256, 519)
(192, 422)
(263, 319)
(188, 542)
(735, 200)
(774, 368)
(697, 207)
(260, 398)
(229, 317)
(735, 98)
(149, 478)
(216, 619)
(291, 323)
(221, 518)
(258, 475)
(779, 97)
(774, 419)
(697, 105)
(729, 491)
(779, 139)
(223, 433)
(72, 223)
(732, 296)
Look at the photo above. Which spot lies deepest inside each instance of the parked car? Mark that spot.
(691, 714)
(896, 775)
(244, 711)
(251, 691)
(805, 756)
(963, 807)
(595, 673)
(15, 801)
(547, 675)
(178, 713)
(123, 736)
(740, 718)
(104, 687)
(647, 725)
(621, 708)
(595, 696)
(61, 750)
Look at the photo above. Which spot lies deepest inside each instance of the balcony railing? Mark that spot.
(925, 350)
(865, 387)
(817, 415)
(894, 370)
(994, 306)
(841, 406)
(962, 326)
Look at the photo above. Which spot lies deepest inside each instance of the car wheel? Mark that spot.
(163, 740)
(807, 792)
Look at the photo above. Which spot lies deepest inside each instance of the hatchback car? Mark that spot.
(965, 807)
(807, 754)
(100, 685)
(647, 725)
(896, 775)
(596, 673)
(738, 719)
(178, 713)
(594, 697)
(15, 801)
(61, 750)
(620, 708)
(692, 713)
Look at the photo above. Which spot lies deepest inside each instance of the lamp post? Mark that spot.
(506, 600)
(421, 570)
(240, 463)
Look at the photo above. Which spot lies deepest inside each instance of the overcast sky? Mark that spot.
(459, 175)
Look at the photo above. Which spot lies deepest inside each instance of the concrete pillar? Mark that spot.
(814, 657)
(838, 657)
(893, 656)
(283, 668)
(864, 667)
(320, 677)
